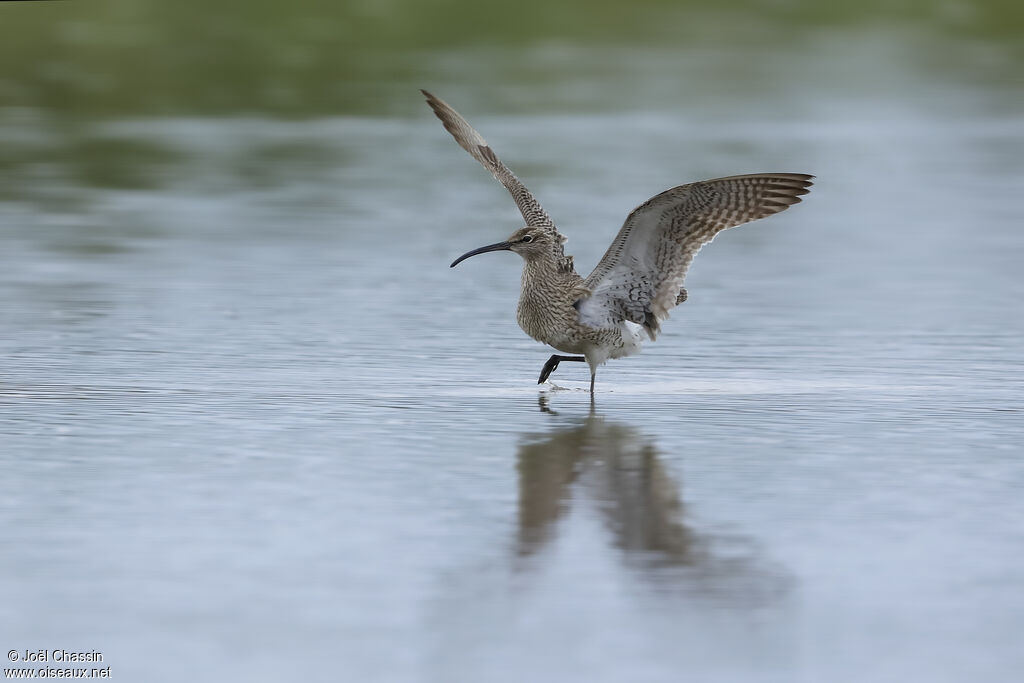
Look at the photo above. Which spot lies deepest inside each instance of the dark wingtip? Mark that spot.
(437, 106)
(431, 99)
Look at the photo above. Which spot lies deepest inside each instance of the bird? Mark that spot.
(610, 313)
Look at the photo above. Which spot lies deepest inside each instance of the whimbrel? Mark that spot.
(640, 278)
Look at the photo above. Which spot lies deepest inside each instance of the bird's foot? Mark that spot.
(548, 368)
(552, 363)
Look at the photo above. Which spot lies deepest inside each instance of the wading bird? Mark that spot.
(640, 278)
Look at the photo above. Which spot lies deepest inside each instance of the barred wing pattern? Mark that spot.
(640, 277)
(473, 142)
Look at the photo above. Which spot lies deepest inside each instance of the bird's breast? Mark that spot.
(545, 312)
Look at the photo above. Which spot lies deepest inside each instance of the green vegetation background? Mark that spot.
(317, 58)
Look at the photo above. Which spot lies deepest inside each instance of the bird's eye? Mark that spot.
(528, 238)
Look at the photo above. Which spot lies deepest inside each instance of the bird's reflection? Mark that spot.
(651, 575)
(615, 472)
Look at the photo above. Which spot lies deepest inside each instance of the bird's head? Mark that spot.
(529, 242)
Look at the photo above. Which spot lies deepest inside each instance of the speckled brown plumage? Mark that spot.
(640, 278)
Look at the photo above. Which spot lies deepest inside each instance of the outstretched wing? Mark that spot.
(640, 277)
(473, 142)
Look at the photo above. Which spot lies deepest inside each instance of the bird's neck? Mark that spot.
(546, 271)
(548, 283)
(538, 276)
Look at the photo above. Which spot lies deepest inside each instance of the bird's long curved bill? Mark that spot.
(500, 246)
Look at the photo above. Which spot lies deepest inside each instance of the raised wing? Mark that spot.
(640, 277)
(473, 142)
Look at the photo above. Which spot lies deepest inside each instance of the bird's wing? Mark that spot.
(640, 277)
(473, 142)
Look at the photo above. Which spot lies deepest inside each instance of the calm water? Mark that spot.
(254, 428)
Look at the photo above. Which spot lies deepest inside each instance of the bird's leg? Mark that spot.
(552, 363)
(593, 374)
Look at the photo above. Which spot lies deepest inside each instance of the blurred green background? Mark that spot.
(309, 58)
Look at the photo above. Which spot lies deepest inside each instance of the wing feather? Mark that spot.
(474, 143)
(640, 278)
